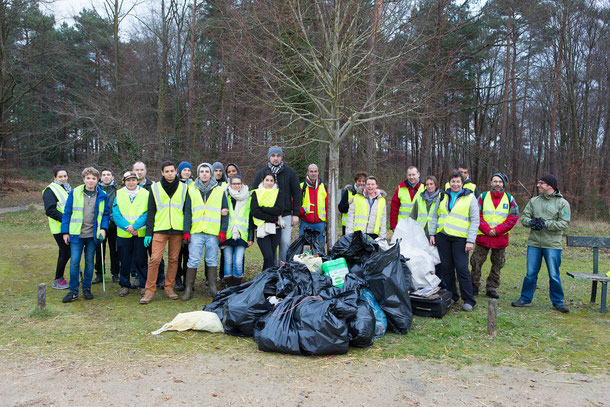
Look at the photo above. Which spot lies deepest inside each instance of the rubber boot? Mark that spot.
(211, 273)
(189, 282)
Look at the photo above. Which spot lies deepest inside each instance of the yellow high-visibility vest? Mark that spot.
(61, 195)
(321, 199)
(492, 215)
(350, 195)
(361, 213)
(206, 215)
(456, 222)
(78, 210)
(131, 211)
(240, 219)
(266, 198)
(170, 211)
(406, 203)
(423, 214)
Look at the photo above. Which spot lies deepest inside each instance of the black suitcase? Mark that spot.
(435, 306)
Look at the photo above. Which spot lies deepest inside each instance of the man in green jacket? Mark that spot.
(547, 215)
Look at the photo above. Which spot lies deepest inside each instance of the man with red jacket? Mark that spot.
(315, 203)
(499, 214)
(405, 197)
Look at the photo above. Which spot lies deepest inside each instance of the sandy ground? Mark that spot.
(279, 380)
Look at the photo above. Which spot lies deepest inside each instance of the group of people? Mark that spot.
(215, 210)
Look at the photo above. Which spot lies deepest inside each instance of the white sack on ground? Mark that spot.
(195, 320)
(422, 257)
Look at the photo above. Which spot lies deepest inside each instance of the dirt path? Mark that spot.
(19, 208)
(278, 380)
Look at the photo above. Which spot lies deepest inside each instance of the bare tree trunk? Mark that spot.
(505, 98)
(161, 102)
(556, 88)
(333, 188)
(372, 82)
(516, 150)
(190, 102)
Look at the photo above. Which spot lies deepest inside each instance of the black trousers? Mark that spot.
(183, 258)
(268, 246)
(454, 260)
(63, 256)
(114, 256)
(133, 255)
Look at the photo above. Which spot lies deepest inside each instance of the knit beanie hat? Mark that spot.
(502, 176)
(218, 166)
(275, 150)
(204, 165)
(550, 179)
(184, 165)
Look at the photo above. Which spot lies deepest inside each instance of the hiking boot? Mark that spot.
(60, 284)
(169, 293)
(146, 298)
(70, 297)
(228, 281)
(115, 278)
(493, 294)
(123, 291)
(520, 303)
(135, 284)
(189, 282)
(87, 295)
(97, 279)
(561, 308)
(211, 273)
(467, 307)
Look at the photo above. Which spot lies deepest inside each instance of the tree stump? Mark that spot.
(42, 296)
(492, 317)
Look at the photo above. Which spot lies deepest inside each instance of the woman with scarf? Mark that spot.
(240, 232)
(266, 212)
(54, 198)
(205, 227)
(427, 203)
(185, 170)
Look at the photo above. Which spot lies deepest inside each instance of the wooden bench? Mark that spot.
(595, 243)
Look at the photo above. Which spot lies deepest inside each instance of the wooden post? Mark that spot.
(42, 296)
(492, 317)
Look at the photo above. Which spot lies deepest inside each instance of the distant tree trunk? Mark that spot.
(161, 102)
(190, 102)
(516, 150)
(372, 83)
(505, 98)
(556, 88)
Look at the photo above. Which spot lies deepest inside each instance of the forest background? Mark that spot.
(521, 87)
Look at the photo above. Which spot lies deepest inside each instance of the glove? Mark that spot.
(186, 238)
(222, 236)
(537, 224)
(542, 223)
(147, 241)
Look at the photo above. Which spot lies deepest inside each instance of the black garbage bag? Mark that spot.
(221, 297)
(355, 248)
(361, 327)
(354, 282)
(309, 237)
(242, 309)
(389, 278)
(295, 279)
(276, 331)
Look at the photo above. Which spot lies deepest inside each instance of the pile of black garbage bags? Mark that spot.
(289, 309)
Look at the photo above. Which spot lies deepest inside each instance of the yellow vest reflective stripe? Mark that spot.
(206, 215)
(240, 219)
(361, 213)
(494, 216)
(406, 203)
(61, 195)
(131, 211)
(456, 222)
(471, 186)
(350, 195)
(170, 214)
(423, 216)
(266, 198)
(321, 200)
(78, 207)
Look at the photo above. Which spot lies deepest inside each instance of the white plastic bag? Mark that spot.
(422, 257)
(195, 320)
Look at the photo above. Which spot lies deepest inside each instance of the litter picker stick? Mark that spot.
(103, 269)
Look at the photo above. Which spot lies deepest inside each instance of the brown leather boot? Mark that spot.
(211, 273)
(147, 298)
(189, 282)
(169, 293)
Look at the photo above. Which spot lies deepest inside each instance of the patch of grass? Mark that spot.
(118, 328)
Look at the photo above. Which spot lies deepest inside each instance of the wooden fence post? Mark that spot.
(492, 317)
(42, 296)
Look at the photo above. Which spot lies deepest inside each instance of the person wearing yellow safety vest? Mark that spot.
(348, 193)
(84, 225)
(54, 197)
(185, 170)
(129, 212)
(266, 211)
(205, 227)
(453, 230)
(468, 184)
(240, 231)
(164, 226)
(427, 203)
(405, 196)
(315, 203)
(498, 214)
(367, 211)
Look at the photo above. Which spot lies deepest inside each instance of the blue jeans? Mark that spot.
(320, 227)
(198, 242)
(552, 258)
(234, 260)
(285, 237)
(77, 245)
